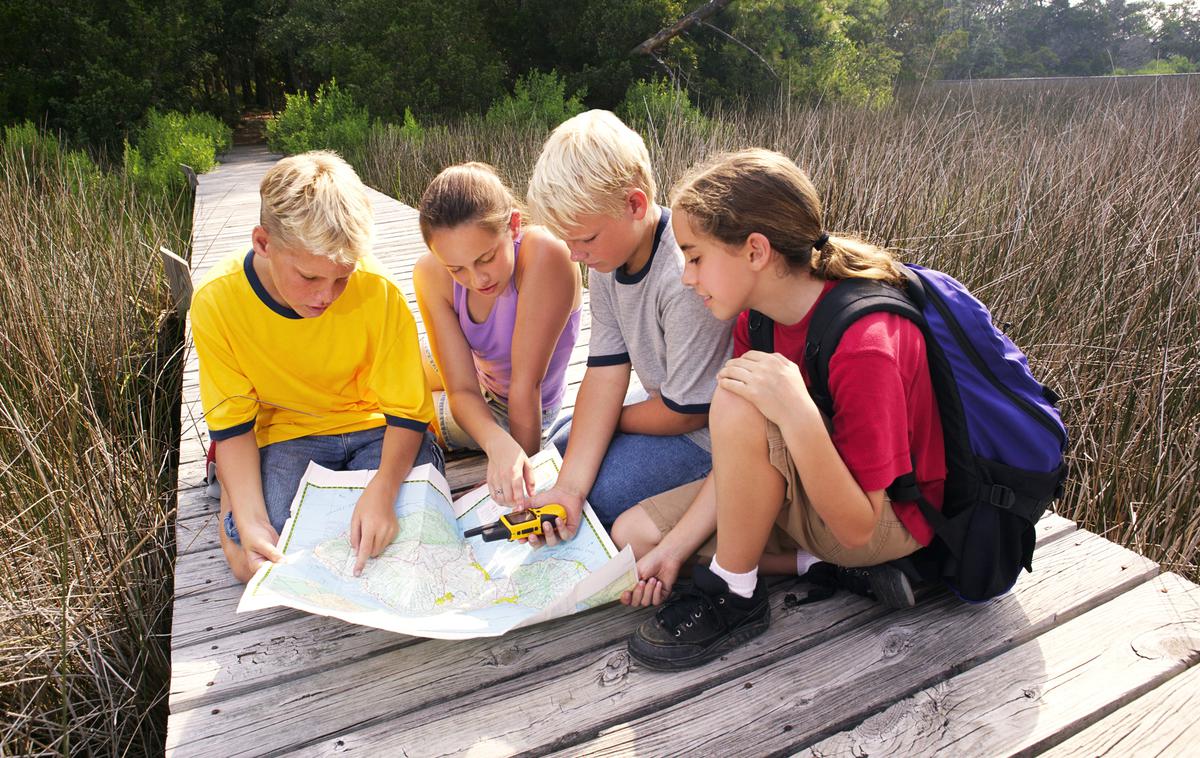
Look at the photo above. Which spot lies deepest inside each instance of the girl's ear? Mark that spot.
(514, 222)
(759, 251)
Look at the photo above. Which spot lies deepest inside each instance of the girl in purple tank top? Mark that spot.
(501, 307)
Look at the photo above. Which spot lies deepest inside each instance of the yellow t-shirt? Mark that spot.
(262, 366)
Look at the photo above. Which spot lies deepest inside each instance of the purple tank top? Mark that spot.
(491, 342)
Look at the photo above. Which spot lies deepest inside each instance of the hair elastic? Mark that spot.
(820, 243)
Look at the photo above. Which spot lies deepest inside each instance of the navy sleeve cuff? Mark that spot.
(223, 434)
(407, 423)
(608, 360)
(697, 408)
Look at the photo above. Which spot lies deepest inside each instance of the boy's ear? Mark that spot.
(259, 239)
(637, 203)
(758, 251)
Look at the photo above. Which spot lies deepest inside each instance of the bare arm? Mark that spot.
(550, 287)
(849, 512)
(435, 293)
(374, 525)
(596, 412)
(238, 465)
(652, 416)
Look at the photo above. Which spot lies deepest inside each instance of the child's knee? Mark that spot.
(635, 528)
(731, 414)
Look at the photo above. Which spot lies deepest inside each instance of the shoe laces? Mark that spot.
(827, 575)
(685, 607)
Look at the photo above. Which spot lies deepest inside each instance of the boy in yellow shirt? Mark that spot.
(308, 352)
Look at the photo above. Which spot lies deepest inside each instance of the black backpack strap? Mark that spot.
(847, 302)
(762, 332)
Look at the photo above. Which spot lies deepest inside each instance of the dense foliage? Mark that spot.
(94, 69)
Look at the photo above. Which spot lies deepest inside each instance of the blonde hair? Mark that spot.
(466, 193)
(315, 200)
(585, 168)
(736, 194)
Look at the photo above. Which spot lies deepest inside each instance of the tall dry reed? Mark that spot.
(1072, 210)
(87, 382)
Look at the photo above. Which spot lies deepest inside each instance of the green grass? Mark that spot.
(88, 398)
(1071, 208)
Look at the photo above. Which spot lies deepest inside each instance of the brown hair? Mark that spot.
(736, 194)
(466, 193)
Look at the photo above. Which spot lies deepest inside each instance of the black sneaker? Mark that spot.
(700, 623)
(884, 583)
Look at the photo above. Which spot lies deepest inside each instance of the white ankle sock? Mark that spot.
(741, 585)
(804, 562)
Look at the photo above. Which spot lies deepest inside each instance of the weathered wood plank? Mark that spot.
(823, 691)
(816, 690)
(1162, 722)
(246, 660)
(583, 693)
(209, 616)
(1028, 698)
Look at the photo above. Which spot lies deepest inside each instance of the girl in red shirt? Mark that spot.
(789, 488)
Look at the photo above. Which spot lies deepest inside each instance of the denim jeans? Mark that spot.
(283, 465)
(638, 466)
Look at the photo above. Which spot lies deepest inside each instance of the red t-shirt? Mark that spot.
(884, 410)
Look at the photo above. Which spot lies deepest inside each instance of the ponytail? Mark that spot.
(737, 194)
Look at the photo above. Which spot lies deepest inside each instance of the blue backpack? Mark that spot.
(1004, 438)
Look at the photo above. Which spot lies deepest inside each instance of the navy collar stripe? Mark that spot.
(257, 285)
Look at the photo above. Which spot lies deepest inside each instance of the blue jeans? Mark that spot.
(638, 466)
(283, 465)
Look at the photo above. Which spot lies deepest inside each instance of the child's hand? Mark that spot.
(509, 475)
(373, 525)
(768, 380)
(657, 573)
(552, 534)
(259, 540)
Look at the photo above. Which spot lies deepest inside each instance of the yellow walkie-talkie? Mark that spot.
(519, 524)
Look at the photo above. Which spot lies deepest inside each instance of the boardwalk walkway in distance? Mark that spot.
(1090, 654)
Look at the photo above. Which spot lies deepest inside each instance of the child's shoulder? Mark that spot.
(540, 246)
(371, 278)
(431, 280)
(223, 280)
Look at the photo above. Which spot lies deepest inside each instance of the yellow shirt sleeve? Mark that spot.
(398, 377)
(228, 398)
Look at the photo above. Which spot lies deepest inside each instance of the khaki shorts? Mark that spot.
(798, 525)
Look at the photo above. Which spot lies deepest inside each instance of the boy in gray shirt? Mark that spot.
(593, 187)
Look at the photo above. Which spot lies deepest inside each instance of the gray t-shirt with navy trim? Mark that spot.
(651, 320)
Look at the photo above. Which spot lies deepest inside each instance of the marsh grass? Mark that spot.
(1072, 209)
(88, 393)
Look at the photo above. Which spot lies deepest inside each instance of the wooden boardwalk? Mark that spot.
(1091, 654)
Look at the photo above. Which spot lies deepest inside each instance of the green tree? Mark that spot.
(587, 41)
(815, 49)
(91, 70)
